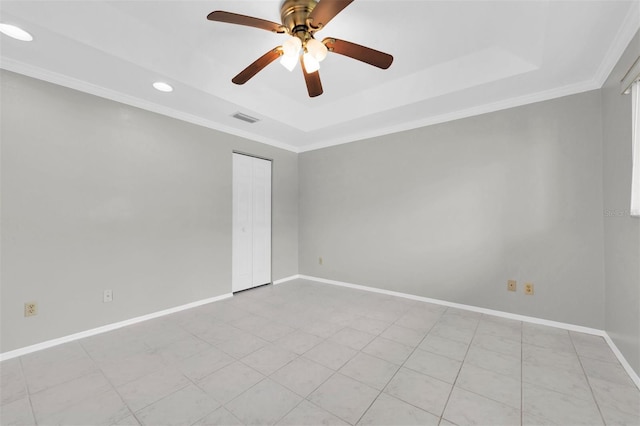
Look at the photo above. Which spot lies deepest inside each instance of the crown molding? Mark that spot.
(627, 31)
(545, 95)
(93, 89)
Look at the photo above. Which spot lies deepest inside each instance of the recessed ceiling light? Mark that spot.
(163, 87)
(15, 32)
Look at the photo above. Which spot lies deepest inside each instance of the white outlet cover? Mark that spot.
(107, 296)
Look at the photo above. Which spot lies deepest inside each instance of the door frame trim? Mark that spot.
(252, 155)
(235, 151)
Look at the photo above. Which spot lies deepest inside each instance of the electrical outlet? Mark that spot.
(511, 285)
(107, 296)
(320, 260)
(30, 309)
(528, 289)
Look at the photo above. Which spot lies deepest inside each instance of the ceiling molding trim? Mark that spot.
(628, 29)
(466, 113)
(92, 89)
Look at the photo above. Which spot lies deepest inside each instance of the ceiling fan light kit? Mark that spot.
(289, 62)
(311, 64)
(316, 49)
(292, 47)
(300, 20)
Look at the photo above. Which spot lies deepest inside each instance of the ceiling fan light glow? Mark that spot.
(311, 64)
(15, 32)
(289, 62)
(291, 47)
(317, 49)
(162, 86)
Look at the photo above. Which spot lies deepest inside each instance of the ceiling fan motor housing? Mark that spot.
(294, 14)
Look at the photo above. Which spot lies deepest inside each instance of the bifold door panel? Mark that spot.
(251, 253)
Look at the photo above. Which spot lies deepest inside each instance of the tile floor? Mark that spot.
(304, 353)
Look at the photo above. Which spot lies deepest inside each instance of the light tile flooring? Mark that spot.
(312, 354)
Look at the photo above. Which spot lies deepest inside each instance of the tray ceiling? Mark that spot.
(452, 59)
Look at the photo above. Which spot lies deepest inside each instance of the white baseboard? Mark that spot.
(501, 314)
(284, 280)
(103, 329)
(623, 360)
(109, 327)
(566, 326)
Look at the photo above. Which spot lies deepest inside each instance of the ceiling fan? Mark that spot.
(300, 20)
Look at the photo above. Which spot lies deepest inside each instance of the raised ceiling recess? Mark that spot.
(451, 59)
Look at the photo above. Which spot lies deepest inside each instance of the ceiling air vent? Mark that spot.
(245, 117)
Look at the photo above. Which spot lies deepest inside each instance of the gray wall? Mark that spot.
(99, 195)
(453, 211)
(622, 232)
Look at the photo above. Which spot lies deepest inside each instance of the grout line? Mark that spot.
(220, 407)
(65, 381)
(486, 369)
(135, 416)
(115, 388)
(460, 369)
(304, 398)
(406, 310)
(403, 363)
(98, 370)
(324, 409)
(240, 394)
(500, 314)
(269, 376)
(586, 376)
(418, 348)
(198, 387)
(229, 411)
(26, 388)
(108, 380)
(343, 364)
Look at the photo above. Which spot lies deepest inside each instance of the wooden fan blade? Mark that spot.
(361, 53)
(259, 64)
(314, 86)
(325, 11)
(249, 21)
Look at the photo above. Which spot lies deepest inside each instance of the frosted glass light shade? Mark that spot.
(317, 49)
(311, 64)
(289, 62)
(291, 47)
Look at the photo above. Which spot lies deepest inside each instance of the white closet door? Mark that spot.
(261, 221)
(251, 252)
